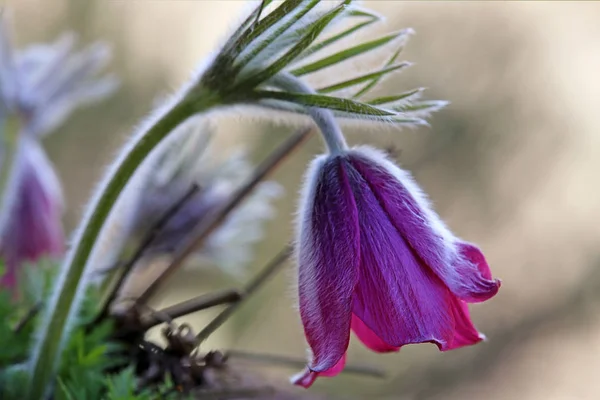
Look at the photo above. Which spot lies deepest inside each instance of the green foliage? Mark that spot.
(249, 31)
(84, 362)
(280, 42)
(88, 355)
(312, 33)
(395, 99)
(285, 25)
(13, 346)
(371, 18)
(395, 118)
(391, 61)
(348, 53)
(121, 386)
(35, 283)
(360, 79)
(332, 103)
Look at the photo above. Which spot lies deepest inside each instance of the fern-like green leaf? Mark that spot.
(313, 32)
(363, 78)
(349, 53)
(278, 31)
(322, 101)
(390, 101)
(371, 19)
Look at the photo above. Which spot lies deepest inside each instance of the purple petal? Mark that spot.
(465, 333)
(483, 286)
(307, 377)
(398, 298)
(370, 338)
(328, 259)
(461, 266)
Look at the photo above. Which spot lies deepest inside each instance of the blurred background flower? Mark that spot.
(511, 164)
(187, 180)
(33, 228)
(40, 86)
(190, 161)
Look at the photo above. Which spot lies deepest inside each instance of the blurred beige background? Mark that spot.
(511, 164)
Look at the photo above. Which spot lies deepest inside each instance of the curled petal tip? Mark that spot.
(478, 284)
(305, 378)
(483, 291)
(473, 254)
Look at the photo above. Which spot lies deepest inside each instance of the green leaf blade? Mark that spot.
(372, 18)
(264, 43)
(295, 108)
(263, 25)
(391, 60)
(227, 53)
(422, 107)
(360, 79)
(321, 101)
(408, 95)
(316, 28)
(253, 18)
(349, 53)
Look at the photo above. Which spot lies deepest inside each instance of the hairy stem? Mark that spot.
(62, 306)
(325, 120)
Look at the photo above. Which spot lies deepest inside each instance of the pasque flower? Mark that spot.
(33, 229)
(39, 87)
(374, 258)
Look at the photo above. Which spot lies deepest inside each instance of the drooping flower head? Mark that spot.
(374, 258)
(39, 87)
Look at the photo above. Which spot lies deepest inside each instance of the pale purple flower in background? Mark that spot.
(374, 258)
(187, 159)
(40, 86)
(190, 160)
(33, 229)
(44, 83)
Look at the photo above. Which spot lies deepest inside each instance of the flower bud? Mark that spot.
(33, 227)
